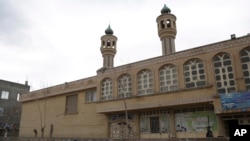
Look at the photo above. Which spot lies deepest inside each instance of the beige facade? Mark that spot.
(173, 95)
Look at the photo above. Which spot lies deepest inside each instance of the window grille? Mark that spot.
(168, 78)
(224, 75)
(106, 89)
(145, 82)
(90, 96)
(124, 86)
(154, 124)
(154, 121)
(245, 64)
(194, 73)
(114, 117)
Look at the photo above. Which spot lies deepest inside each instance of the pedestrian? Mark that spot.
(209, 132)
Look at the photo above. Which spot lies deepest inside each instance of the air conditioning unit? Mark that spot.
(244, 121)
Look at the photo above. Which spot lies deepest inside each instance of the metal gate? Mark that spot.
(120, 130)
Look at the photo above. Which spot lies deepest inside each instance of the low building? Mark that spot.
(177, 94)
(10, 107)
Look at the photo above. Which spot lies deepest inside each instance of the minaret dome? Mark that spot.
(165, 10)
(109, 31)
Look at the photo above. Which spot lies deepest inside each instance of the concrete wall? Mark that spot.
(91, 120)
(85, 123)
(11, 106)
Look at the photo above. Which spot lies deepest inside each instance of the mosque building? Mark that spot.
(178, 94)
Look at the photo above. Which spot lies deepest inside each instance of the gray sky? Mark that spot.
(49, 42)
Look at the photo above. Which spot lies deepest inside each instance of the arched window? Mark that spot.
(224, 75)
(162, 24)
(108, 43)
(245, 62)
(168, 23)
(106, 89)
(113, 44)
(124, 86)
(145, 82)
(194, 73)
(168, 78)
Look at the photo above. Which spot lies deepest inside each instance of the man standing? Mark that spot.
(209, 132)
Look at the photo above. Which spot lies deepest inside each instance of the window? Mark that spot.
(18, 97)
(114, 117)
(124, 86)
(1, 111)
(168, 78)
(108, 43)
(194, 73)
(145, 82)
(245, 63)
(106, 89)
(154, 125)
(162, 24)
(5, 95)
(224, 75)
(90, 96)
(168, 23)
(155, 121)
(71, 104)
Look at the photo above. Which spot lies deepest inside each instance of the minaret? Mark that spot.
(167, 30)
(108, 48)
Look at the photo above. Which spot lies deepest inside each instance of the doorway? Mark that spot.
(231, 126)
(120, 130)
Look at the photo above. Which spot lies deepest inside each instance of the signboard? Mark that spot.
(240, 100)
(195, 121)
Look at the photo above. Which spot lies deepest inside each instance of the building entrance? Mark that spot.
(120, 130)
(232, 125)
(236, 124)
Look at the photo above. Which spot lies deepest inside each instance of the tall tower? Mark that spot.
(167, 30)
(108, 48)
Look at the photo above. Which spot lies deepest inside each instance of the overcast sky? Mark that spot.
(49, 42)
